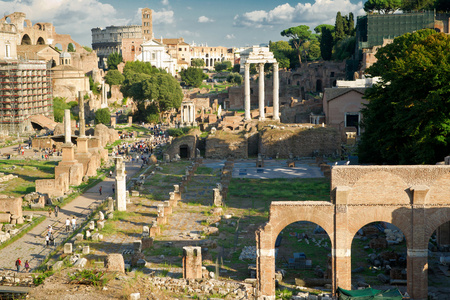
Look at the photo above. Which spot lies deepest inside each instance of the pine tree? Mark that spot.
(339, 27)
(326, 44)
(351, 24)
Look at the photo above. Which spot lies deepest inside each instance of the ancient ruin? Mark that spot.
(413, 198)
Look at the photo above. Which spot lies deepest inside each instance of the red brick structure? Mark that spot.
(413, 198)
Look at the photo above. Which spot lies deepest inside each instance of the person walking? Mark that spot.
(100, 190)
(47, 240)
(18, 263)
(67, 224)
(49, 212)
(27, 266)
(56, 210)
(74, 223)
(113, 189)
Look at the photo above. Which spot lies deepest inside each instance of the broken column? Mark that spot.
(217, 197)
(161, 218)
(69, 164)
(155, 229)
(192, 262)
(167, 208)
(176, 191)
(83, 155)
(121, 188)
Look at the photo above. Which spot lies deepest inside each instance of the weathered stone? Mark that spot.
(57, 265)
(86, 250)
(79, 237)
(101, 216)
(68, 248)
(91, 225)
(100, 225)
(135, 296)
(147, 242)
(145, 231)
(115, 263)
(80, 263)
(137, 246)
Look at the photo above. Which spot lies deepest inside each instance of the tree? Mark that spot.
(234, 78)
(339, 28)
(236, 68)
(442, 5)
(88, 49)
(351, 24)
(222, 66)
(197, 62)
(102, 116)
(140, 67)
(382, 6)
(114, 77)
(282, 52)
(59, 105)
(70, 48)
(407, 119)
(193, 76)
(326, 44)
(415, 5)
(297, 34)
(114, 59)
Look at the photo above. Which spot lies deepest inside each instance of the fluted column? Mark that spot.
(276, 90)
(261, 92)
(247, 91)
(67, 128)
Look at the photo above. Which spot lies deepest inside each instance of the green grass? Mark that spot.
(204, 171)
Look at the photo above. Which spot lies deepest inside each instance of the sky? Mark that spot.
(228, 23)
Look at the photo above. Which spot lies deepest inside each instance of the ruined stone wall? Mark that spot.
(190, 140)
(226, 144)
(11, 205)
(301, 142)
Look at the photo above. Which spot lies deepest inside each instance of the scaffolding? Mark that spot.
(25, 90)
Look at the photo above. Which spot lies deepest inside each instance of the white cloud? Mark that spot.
(163, 17)
(204, 19)
(165, 2)
(319, 12)
(76, 18)
(230, 37)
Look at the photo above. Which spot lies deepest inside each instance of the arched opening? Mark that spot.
(319, 85)
(8, 20)
(184, 151)
(71, 47)
(378, 257)
(303, 250)
(59, 47)
(439, 261)
(26, 40)
(40, 41)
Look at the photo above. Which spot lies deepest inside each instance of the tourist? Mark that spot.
(110, 174)
(18, 263)
(74, 223)
(56, 210)
(67, 224)
(100, 190)
(49, 212)
(113, 189)
(47, 240)
(49, 230)
(27, 266)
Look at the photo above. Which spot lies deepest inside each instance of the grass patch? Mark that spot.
(204, 170)
(89, 277)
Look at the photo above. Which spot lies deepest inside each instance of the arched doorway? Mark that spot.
(26, 40)
(319, 86)
(184, 151)
(378, 257)
(303, 251)
(59, 47)
(40, 41)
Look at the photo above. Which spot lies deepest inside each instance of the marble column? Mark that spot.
(81, 114)
(276, 88)
(247, 91)
(121, 188)
(261, 92)
(67, 129)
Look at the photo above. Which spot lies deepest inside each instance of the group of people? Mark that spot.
(19, 264)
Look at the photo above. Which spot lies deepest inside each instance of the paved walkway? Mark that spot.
(32, 246)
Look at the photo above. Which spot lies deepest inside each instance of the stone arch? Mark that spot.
(8, 20)
(185, 151)
(72, 47)
(40, 41)
(26, 40)
(59, 47)
(435, 217)
(438, 191)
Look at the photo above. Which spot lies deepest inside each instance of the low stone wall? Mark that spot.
(300, 141)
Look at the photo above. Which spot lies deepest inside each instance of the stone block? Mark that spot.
(101, 216)
(91, 225)
(86, 250)
(135, 296)
(68, 248)
(135, 193)
(80, 263)
(100, 225)
(97, 237)
(145, 231)
(137, 246)
(79, 237)
(147, 242)
(115, 263)
(57, 265)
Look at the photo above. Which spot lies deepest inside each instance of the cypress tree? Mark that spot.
(339, 27)
(326, 44)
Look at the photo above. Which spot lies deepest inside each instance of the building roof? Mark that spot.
(65, 55)
(182, 62)
(32, 51)
(43, 121)
(333, 93)
(64, 68)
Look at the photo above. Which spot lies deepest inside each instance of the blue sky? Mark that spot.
(229, 23)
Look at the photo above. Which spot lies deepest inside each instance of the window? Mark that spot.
(332, 74)
(8, 51)
(153, 56)
(352, 120)
(180, 49)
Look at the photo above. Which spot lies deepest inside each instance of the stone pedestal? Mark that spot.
(176, 191)
(161, 219)
(192, 262)
(217, 197)
(167, 208)
(121, 188)
(70, 165)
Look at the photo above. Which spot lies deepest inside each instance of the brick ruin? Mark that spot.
(413, 198)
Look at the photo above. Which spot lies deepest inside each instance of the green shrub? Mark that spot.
(39, 279)
(89, 277)
(102, 116)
